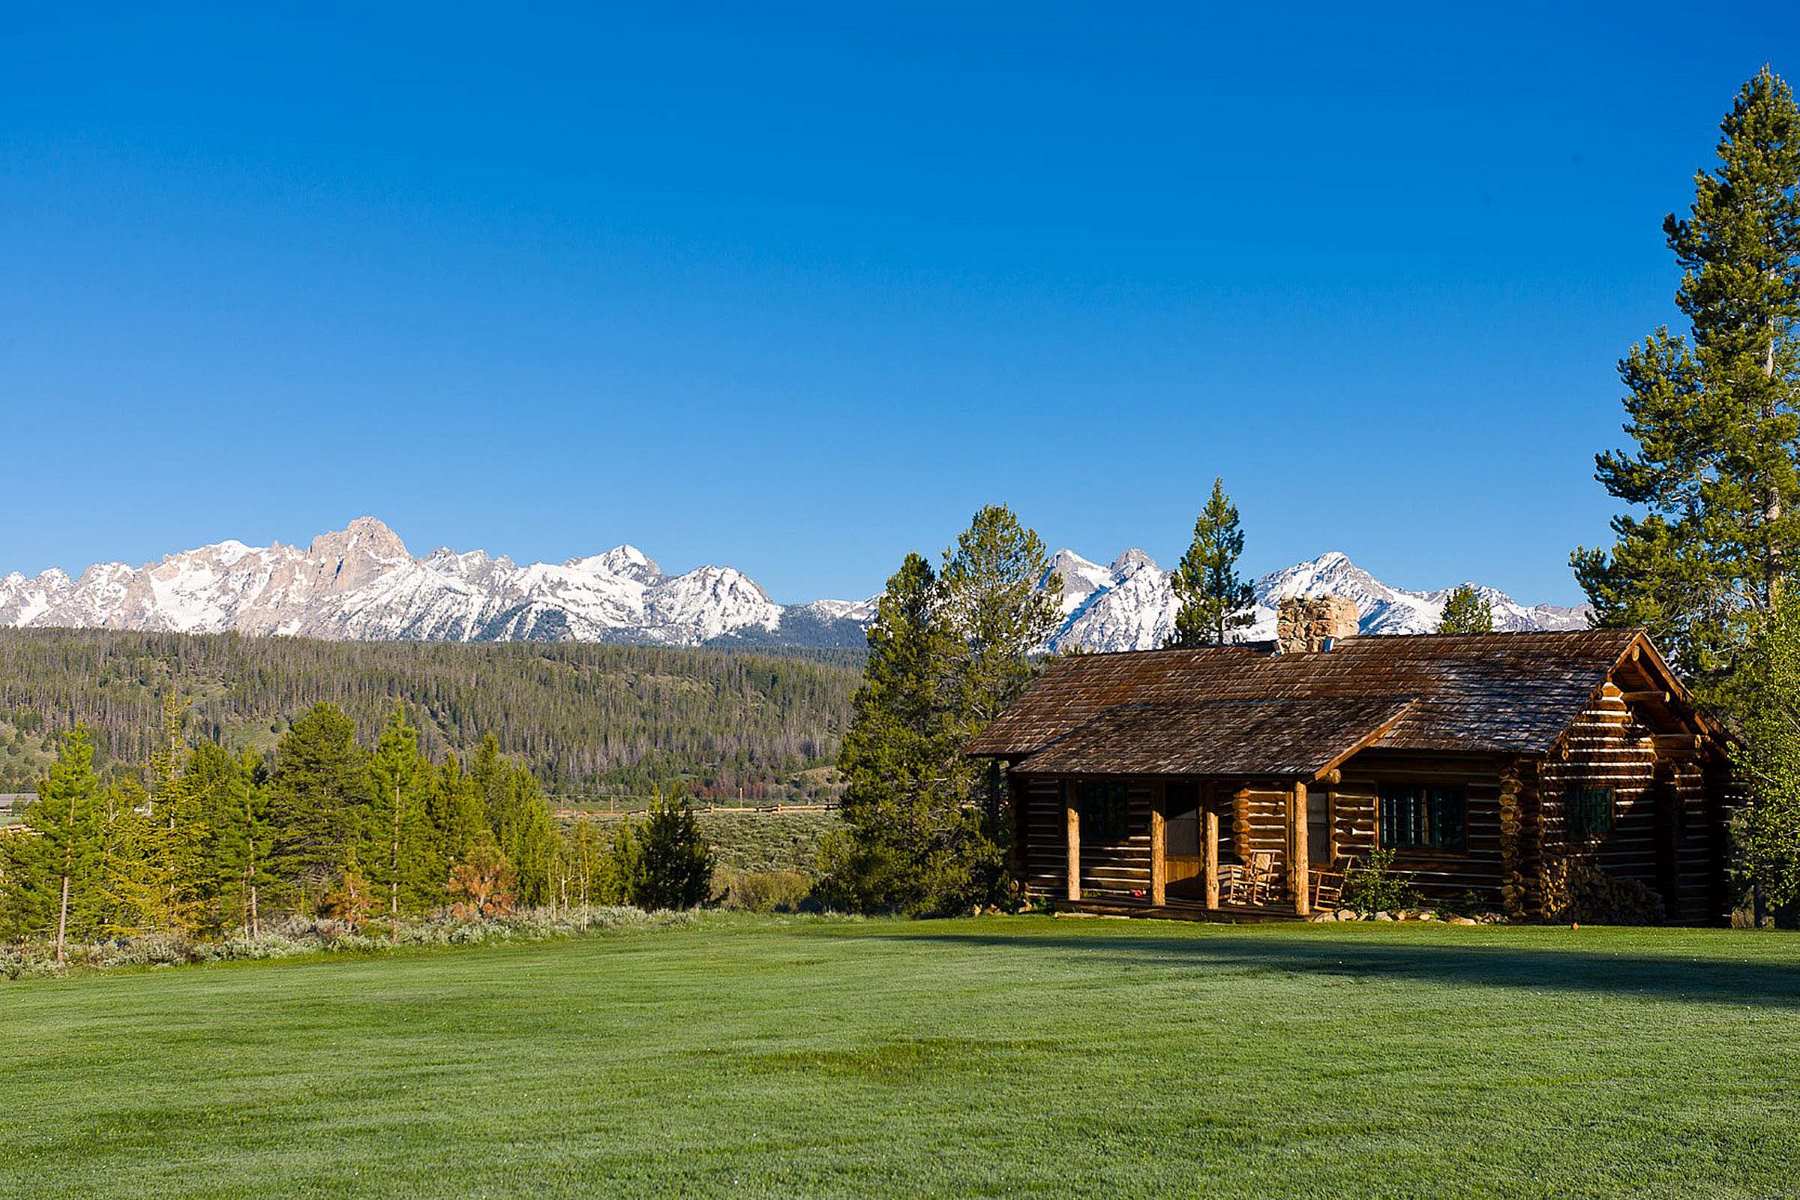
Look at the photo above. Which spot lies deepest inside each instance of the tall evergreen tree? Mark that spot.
(399, 850)
(174, 829)
(231, 812)
(1214, 600)
(536, 840)
(1715, 416)
(910, 844)
(999, 597)
(456, 809)
(318, 797)
(1466, 611)
(1769, 759)
(519, 817)
(589, 866)
(135, 882)
(52, 869)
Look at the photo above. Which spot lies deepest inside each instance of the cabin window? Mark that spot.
(1105, 808)
(1417, 817)
(1588, 811)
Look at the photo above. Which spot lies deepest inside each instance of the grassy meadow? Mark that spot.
(753, 1056)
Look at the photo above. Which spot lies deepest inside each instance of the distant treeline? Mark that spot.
(582, 717)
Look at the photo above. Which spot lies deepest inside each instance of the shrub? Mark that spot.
(481, 885)
(299, 935)
(766, 891)
(1373, 886)
(349, 900)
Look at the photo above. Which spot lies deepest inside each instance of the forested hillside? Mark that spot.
(584, 717)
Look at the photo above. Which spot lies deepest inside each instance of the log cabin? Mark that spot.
(1248, 776)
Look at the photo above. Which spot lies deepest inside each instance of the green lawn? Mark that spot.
(762, 1057)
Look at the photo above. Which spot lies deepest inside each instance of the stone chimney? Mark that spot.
(1309, 624)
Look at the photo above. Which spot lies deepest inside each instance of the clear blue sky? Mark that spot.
(798, 290)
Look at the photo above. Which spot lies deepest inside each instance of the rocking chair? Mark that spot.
(1252, 881)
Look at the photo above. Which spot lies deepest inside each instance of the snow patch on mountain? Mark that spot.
(360, 582)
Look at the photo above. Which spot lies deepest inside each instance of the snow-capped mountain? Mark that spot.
(361, 582)
(1130, 605)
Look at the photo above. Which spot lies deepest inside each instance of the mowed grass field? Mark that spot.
(1008, 1056)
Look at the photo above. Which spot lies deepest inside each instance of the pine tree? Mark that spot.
(398, 843)
(174, 830)
(51, 868)
(537, 842)
(519, 817)
(1715, 417)
(623, 867)
(999, 597)
(1214, 600)
(1466, 611)
(456, 809)
(135, 882)
(231, 811)
(1768, 831)
(318, 798)
(910, 845)
(675, 860)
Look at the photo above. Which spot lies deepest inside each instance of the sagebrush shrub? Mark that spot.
(766, 891)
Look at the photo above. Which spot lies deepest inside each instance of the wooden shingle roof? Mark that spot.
(1506, 692)
(1219, 737)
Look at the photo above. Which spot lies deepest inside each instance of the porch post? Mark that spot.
(1072, 824)
(1209, 816)
(1298, 876)
(1159, 863)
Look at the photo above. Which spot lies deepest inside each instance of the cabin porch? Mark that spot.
(1180, 847)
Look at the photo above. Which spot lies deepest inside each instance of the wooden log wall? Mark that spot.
(1259, 822)
(1109, 869)
(1674, 852)
(1045, 866)
(1439, 876)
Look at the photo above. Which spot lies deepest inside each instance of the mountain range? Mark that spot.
(362, 583)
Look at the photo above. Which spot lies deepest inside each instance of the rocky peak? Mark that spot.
(364, 538)
(624, 561)
(1131, 562)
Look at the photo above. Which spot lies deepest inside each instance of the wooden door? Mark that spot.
(1181, 836)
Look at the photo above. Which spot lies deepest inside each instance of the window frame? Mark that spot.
(1582, 797)
(1426, 819)
(1104, 807)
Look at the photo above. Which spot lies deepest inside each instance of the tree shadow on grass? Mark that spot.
(1701, 981)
